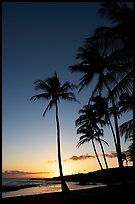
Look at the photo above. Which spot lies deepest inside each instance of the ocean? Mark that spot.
(38, 186)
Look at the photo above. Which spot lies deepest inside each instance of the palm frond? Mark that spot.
(79, 68)
(49, 106)
(114, 10)
(68, 97)
(82, 142)
(41, 85)
(67, 86)
(86, 79)
(126, 103)
(103, 141)
(40, 96)
(126, 129)
(125, 85)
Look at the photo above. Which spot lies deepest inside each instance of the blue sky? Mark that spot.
(37, 40)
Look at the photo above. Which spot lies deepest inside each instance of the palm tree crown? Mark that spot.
(53, 91)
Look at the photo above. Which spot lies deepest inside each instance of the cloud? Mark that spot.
(52, 161)
(84, 157)
(81, 157)
(111, 155)
(74, 158)
(16, 172)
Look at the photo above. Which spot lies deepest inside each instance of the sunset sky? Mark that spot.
(37, 40)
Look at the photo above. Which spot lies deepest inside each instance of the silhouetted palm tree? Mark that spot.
(122, 17)
(94, 64)
(117, 39)
(120, 35)
(88, 125)
(54, 91)
(87, 136)
(104, 111)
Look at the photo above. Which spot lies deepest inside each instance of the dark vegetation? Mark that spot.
(105, 176)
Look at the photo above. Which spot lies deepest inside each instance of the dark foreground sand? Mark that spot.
(109, 194)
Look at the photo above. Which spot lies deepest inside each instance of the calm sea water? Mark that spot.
(43, 186)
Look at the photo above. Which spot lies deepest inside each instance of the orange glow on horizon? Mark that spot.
(52, 169)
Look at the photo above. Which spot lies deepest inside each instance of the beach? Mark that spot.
(107, 194)
(24, 187)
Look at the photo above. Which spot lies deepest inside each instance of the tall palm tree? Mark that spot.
(54, 91)
(117, 39)
(88, 126)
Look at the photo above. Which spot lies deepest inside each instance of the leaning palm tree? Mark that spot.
(88, 123)
(87, 136)
(54, 91)
(102, 108)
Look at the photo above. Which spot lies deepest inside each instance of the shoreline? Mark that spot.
(99, 194)
(15, 188)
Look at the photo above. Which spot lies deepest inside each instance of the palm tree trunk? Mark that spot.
(117, 134)
(119, 156)
(103, 153)
(114, 137)
(96, 154)
(63, 183)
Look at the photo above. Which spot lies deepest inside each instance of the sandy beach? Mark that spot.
(106, 194)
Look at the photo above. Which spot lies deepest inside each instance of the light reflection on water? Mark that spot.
(45, 189)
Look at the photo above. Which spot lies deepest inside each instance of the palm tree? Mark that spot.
(54, 91)
(122, 16)
(88, 126)
(120, 35)
(94, 64)
(117, 39)
(87, 135)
